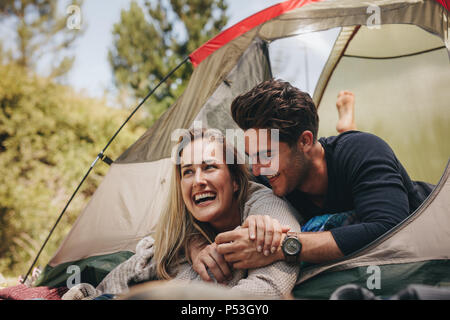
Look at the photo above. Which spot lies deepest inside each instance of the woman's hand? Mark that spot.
(267, 232)
(207, 257)
(240, 251)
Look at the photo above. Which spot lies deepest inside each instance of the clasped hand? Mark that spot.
(250, 246)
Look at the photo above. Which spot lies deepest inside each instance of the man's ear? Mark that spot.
(305, 141)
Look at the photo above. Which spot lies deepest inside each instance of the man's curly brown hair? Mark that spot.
(276, 104)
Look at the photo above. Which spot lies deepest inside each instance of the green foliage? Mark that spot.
(38, 31)
(49, 136)
(149, 42)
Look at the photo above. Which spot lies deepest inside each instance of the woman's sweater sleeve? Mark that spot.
(279, 278)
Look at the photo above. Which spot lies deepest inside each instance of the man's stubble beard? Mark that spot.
(303, 167)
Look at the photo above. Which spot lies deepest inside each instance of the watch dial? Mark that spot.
(292, 246)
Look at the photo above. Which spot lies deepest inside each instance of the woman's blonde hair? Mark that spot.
(177, 227)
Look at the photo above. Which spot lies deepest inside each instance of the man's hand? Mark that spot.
(238, 249)
(267, 232)
(208, 257)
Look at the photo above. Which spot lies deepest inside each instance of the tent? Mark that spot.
(409, 35)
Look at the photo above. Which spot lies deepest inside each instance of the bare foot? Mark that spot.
(346, 109)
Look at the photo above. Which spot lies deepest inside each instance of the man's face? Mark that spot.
(286, 168)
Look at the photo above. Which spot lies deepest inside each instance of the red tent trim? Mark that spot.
(242, 27)
(445, 4)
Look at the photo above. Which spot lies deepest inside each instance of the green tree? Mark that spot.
(49, 136)
(39, 32)
(150, 41)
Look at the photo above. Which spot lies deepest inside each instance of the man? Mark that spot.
(353, 171)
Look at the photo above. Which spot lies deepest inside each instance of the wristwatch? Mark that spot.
(291, 247)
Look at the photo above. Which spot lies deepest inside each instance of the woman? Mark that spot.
(207, 197)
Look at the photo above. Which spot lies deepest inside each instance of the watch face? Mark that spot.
(292, 246)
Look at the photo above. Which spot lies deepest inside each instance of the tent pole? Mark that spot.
(100, 156)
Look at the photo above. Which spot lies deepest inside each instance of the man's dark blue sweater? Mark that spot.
(364, 175)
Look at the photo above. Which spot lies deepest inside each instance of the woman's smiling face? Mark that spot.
(207, 186)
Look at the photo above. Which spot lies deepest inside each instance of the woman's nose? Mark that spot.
(199, 178)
